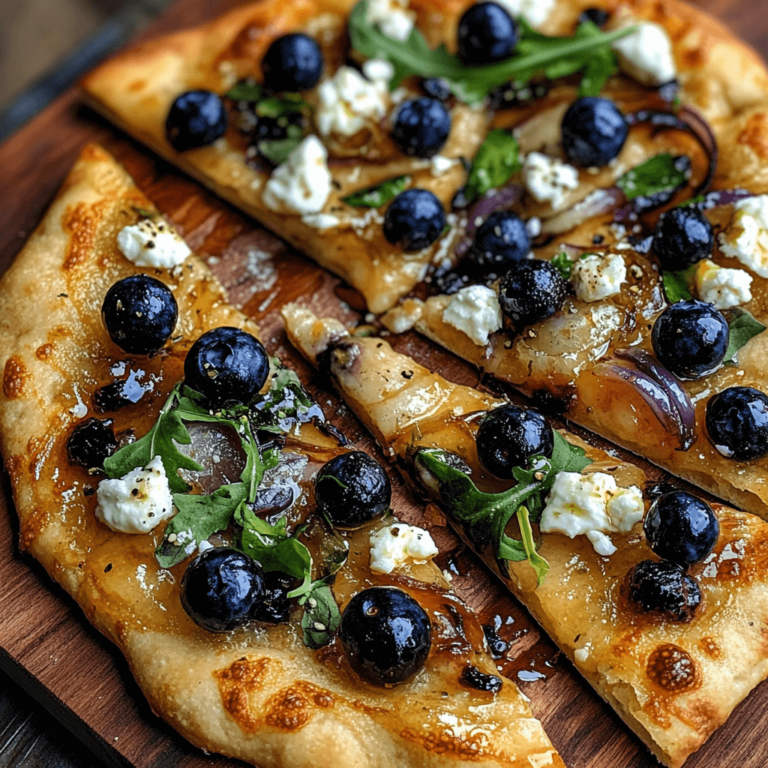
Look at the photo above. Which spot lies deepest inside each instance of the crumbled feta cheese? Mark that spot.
(533, 227)
(152, 243)
(591, 505)
(746, 239)
(475, 311)
(303, 183)
(548, 178)
(598, 276)
(535, 12)
(646, 54)
(321, 221)
(723, 287)
(136, 502)
(398, 544)
(403, 317)
(348, 99)
(440, 164)
(393, 17)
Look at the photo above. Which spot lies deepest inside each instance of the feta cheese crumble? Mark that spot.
(398, 544)
(746, 239)
(475, 311)
(723, 287)
(591, 505)
(535, 12)
(348, 99)
(136, 502)
(303, 183)
(646, 54)
(152, 243)
(598, 276)
(392, 17)
(548, 179)
(440, 165)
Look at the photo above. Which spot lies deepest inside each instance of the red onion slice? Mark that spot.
(494, 200)
(722, 197)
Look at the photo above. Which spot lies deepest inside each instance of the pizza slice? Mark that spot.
(658, 598)
(187, 492)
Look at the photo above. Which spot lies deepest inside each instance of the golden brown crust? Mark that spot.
(259, 695)
(673, 684)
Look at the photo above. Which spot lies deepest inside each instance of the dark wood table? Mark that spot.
(62, 686)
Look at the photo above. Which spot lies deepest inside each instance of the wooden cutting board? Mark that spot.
(46, 643)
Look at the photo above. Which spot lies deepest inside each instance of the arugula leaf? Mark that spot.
(600, 66)
(661, 173)
(321, 616)
(160, 440)
(677, 285)
(553, 56)
(375, 197)
(198, 518)
(286, 403)
(495, 161)
(245, 90)
(277, 151)
(563, 264)
(279, 106)
(491, 512)
(743, 326)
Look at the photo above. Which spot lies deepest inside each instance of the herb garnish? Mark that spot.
(743, 326)
(677, 285)
(663, 173)
(486, 515)
(493, 164)
(553, 56)
(201, 515)
(563, 264)
(375, 197)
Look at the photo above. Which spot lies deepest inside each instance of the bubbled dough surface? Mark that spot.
(259, 696)
(579, 605)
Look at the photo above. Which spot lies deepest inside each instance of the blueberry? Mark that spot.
(352, 489)
(509, 436)
(682, 237)
(292, 63)
(473, 677)
(414, 220)
(227, 364)
(598, 16)
(221, 589)
(196, 119)
(532, 290)
(737, 423)
(436, 88)
(275, 607)
(665, 589)
(681, 528)
(421, 127)
(690, 338)
(502, 238)
(486, 33)
(594, 131)
(90, 443)
(386, 635)
(140, 314)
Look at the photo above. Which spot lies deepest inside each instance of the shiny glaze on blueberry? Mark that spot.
(594, 131)
(486, 33)
(90, 443)
(414, 220)
(682, 237)
(421, 127)
(663, 588)
(737, 423)
(196, 119)
(292, 63)
(531, 291)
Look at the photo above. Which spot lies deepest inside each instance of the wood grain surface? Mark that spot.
(45, 642)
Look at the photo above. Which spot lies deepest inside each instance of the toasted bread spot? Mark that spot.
(44, 352)
(673, 669)
(657, 712)
(14, 466)
(14, 377)
(755, 134)
(81, 223)
(292, 708)
(711, 648)
(237, 682)
(137, 85)
(472, 746)
(30, 528)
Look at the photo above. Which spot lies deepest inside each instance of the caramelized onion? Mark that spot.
(663, 393)
(690, 121)
(597, 203)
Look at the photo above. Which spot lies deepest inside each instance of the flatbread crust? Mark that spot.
(261, 696)
(673, 684)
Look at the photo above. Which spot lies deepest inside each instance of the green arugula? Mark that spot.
(375, 197)
(485, 516)
(677, 285)
(661, 173)
(563, 264)
(321, 615)
(552, 56)
(286, 403)
(496, 160)
(743, 326)
(245, 90)
(277, 151)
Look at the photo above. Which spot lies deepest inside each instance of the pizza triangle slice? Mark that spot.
(133, 489)
(673, 673)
